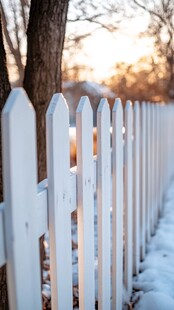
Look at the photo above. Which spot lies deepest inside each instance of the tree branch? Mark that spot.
(24, 20)
(151, 12)
(15, 52)
(6, 33)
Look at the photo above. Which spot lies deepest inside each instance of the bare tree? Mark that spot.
(15, 21)
(161, 29)
(103, 15)
(81, 15)
(141, 81)
(47, 24)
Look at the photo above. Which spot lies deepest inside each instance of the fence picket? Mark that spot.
(155, 165)
(146, 169)
(148, 176)
(58, 166)
(143, 181)
(158, 193)
(20, 197)
(85, 198)
(117, 205)
(162, 151)
(104, 203)
(152, 168)
(128, 270)
(136, 190)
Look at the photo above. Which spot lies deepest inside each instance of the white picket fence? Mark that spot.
(130, 176)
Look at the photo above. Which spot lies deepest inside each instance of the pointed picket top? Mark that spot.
(57, 105)
(128, 105)
(84, 105)
(136, 105)
(117, 105)
(143, 105)
(16, 101)
(103, 106)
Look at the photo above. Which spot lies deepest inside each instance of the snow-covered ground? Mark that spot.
(155, 283)
(153, 288)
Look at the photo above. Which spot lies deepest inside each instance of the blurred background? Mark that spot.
(112, 49)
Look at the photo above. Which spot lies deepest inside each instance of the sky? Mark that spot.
(102, 50)
(108, 50)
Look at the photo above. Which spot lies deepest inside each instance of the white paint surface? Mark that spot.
(58, 167)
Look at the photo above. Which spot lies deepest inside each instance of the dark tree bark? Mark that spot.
(4, 91)
(45, 37)
(46, 32)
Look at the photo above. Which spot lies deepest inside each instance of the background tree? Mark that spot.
(15, 20)
(45, 40)
(45, 37)
(4, 91)
(84, 19)
(161, 29)
(143, 81)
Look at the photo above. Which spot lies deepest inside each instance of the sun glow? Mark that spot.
(102, 50)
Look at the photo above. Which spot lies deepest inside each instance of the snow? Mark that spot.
(68, 84)
(92, 88)
(153, 288)
(101, 90)
(156, 279)
(155, 301)
(46, 290)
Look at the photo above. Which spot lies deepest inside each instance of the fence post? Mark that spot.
(85, 198)
(136, 189)
(104, 203)
(128, 199)
(58, 165)
(117, 205)
(20, 197)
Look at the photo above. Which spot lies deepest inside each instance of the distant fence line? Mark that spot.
(129, 175)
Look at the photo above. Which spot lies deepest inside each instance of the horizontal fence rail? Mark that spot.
(127, 179)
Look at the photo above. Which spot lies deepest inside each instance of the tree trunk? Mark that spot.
(45, 35)
(4, 91)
